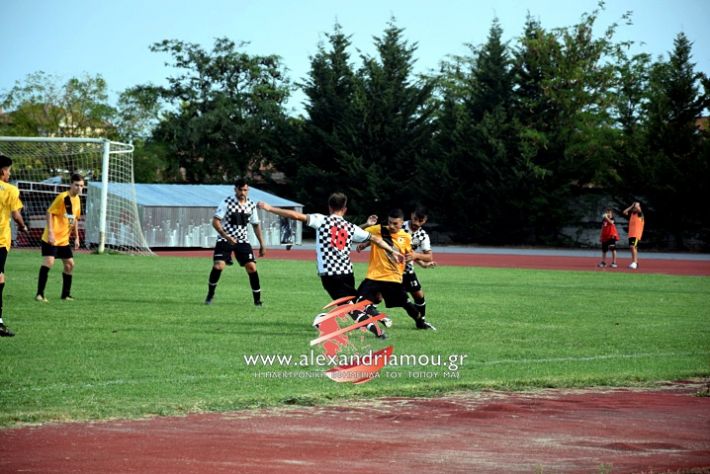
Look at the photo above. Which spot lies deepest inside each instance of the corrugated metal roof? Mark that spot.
(192, 195)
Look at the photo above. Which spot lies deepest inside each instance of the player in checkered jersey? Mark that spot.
(422, 245)
(230, 221)
(334, 236)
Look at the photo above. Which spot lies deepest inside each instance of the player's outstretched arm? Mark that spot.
(424, 257)
(393, 253)
(287, 213)
(371, 220)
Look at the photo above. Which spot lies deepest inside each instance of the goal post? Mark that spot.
(42, 168)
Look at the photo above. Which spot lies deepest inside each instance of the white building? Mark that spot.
(180, 215)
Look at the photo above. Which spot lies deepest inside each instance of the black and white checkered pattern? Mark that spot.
(334, 235)
(235, 216)
(420, 243)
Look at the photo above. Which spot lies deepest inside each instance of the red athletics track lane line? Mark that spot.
(646, 264)
(557, 431)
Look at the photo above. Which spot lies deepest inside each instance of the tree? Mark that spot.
(563, 101)
(396, 125)
(227, 111)
(330, 129)
(676, 167)
(629, 98)
(476, 128)
(43, 106)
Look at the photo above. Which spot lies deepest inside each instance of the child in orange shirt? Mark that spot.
(636, 223)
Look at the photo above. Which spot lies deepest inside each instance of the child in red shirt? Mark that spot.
(608, 238)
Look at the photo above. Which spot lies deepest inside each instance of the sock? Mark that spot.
(214, 278)
(255, 287)
(42, 281)
(2, 289)
(361, 316)
(412, 311)
(66, 285)
(420, 304)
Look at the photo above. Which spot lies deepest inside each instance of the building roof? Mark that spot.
(192, 195)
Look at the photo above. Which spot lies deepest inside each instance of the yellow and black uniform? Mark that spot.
(384, 276)
(9, 202)
(381, 267)
(63, 215)
(65, 211)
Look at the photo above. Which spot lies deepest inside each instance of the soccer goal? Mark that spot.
(42, 168)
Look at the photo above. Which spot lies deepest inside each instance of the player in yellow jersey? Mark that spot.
(384, 275)
(62, 221)
(10, 206)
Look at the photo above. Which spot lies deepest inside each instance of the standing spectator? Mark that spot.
(636, 223)
(230, 221)
(10, 206)
(62, 220)
(608, 238)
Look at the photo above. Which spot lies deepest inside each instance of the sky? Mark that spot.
(71, 38)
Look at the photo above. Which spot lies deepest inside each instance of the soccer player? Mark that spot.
(334, 235)
(636, 223)
(62, 220)
(384, 277)
(10, 206)
(230, 221)
(422, 245)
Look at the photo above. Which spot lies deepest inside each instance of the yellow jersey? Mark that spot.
(9, 201)
(381, 268)
(65, 211)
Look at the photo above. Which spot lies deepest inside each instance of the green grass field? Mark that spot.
(139, 341)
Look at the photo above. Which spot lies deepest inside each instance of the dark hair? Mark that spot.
(240, 183)
(5, 161)
(420, 212)
(76, 177)
(396, 214)
(337, 201)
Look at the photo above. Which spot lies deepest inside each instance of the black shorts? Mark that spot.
(633, 242)
(339, 286)
(411, 283)
(63, 251)
(609, 245)
(392, 292)
(3, 258)
(223, 252)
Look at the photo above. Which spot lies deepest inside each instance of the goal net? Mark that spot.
(42, 168)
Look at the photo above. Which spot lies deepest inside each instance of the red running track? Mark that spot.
(646, 264)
